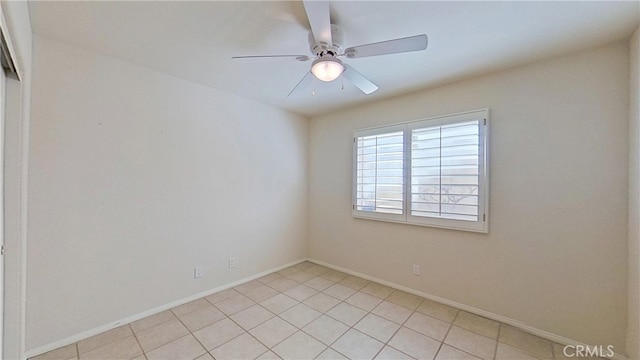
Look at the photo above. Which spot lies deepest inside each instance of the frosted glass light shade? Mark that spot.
(327, 68)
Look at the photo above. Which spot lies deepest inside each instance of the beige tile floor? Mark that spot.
(311, 312)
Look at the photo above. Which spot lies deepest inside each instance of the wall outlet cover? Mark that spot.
(197, 272)
(416, 269)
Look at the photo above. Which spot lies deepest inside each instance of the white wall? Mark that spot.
(18, 94)
(555, 257)
(633, 335)
(137, 177)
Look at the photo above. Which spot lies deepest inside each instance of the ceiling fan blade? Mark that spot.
(358, 80)
(411, 43)
(272, 57)
(319, 19)
(302, 84)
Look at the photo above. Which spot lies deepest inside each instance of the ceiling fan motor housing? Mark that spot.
(322, 48)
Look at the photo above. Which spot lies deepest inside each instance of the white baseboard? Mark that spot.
(129, 319)
(503, 319)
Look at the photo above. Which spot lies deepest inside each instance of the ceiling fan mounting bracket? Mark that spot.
(322, 48)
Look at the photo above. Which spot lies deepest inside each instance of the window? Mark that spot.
(430, 172)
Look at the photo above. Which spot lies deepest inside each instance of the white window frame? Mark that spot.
(482, 224)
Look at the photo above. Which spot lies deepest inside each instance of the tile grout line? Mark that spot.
(442, 343)
(368, 312)
(331, 317)
(301, 329)
(398, 329)
(269, 349)
(401, 325)
(404, 322)
(495, 352)
(207, 352)
(275, 315)
(384, 344)
(215, 307)
(352, 327)
(349, 327)
(189, 330)
(451, 325)
(302, 302)
(285, 320)
(111, 342)
(137, 341)
(323, 313)
(476, 333)
(162, 323)
(240, 326)
(553, 353)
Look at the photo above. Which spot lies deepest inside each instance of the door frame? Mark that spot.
(9, 73)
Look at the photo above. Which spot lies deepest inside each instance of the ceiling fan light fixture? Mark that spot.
(327, 68)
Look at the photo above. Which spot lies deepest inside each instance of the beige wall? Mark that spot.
(137, 177)
(633, 335)
(555, 257)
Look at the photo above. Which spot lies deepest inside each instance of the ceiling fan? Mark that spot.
(325, 43)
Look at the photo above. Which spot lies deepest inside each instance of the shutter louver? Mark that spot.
(379, 173)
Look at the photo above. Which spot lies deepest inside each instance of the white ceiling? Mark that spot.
(196, 40)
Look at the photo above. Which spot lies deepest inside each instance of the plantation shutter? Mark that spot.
(431, 172)
(379, 173)
(445, 171)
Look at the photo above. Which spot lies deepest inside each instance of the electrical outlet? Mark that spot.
(197, 272)
(232, 263)
(416, 269)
